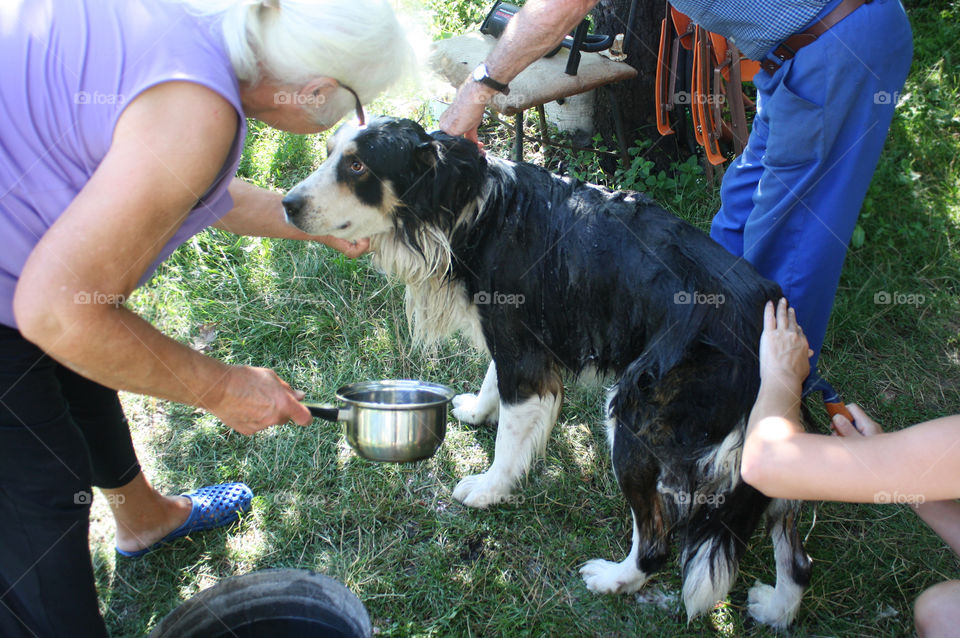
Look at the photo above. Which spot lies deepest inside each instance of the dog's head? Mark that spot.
(389, 176)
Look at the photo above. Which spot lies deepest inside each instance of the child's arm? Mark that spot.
(921, 463)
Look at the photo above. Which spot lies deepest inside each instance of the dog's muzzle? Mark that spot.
(293, 206)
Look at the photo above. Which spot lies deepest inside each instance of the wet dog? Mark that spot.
(551, 276)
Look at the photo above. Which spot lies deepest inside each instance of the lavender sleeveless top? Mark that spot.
(69, 69)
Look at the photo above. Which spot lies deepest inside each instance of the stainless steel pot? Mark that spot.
(395, 421)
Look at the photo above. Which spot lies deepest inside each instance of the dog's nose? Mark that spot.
(293, 204)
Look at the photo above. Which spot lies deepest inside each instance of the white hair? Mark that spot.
(359, 43)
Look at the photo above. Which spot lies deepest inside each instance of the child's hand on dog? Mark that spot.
(784, 351)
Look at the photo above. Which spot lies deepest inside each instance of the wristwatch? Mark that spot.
(481, 75)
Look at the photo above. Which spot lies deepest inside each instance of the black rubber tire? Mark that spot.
(274, 603)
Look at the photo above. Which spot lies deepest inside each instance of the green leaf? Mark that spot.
(859, 237)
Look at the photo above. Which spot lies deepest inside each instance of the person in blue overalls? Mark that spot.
(790, 202)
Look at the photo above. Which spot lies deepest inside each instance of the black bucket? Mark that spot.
(271, 603)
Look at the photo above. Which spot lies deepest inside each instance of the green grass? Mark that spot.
(425, 565)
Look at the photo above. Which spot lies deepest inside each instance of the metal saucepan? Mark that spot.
(395, 421)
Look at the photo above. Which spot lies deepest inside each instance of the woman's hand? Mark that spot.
(350, 249)
(865, 426)
(254, 399)
(784, 351)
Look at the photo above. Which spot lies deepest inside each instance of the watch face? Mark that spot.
(480, 73)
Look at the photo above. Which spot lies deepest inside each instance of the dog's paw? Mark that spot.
(480, 492)
(606, 577)
(467, 408)
(766, 605)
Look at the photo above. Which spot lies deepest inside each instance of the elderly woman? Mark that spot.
(123, 124)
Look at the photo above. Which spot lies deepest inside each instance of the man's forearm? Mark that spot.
(538, 28)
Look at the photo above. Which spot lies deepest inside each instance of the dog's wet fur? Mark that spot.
(550, 275)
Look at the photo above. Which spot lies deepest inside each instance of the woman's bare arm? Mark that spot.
(257, 212)
(167, 148)
(920, 463)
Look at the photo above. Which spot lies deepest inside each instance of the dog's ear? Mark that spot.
(445, 175)
(428, 153)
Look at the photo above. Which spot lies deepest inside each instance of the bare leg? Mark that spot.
(143, 515)
(937, 610)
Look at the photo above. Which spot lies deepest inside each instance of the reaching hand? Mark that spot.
(784, 351)
(350, 249)
(253, 399)
(465, 113)
(865, 426)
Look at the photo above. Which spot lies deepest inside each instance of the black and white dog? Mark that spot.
(551, 275)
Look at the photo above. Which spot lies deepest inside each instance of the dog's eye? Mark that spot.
(357, 167)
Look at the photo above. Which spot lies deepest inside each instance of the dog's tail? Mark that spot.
(714, 541)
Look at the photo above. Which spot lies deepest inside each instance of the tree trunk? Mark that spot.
(635, 98)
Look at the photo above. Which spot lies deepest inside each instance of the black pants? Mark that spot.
(60, 434)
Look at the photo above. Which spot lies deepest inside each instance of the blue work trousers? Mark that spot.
(790, 202)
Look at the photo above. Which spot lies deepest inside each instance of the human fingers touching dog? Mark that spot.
(784, 351)
(466, 112)
(350, 249)
(785, 356)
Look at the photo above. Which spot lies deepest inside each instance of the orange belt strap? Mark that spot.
(718, 71)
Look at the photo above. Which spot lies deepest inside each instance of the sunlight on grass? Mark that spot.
(581, 446)
(466, 454)
(722, 620)
(247, 549)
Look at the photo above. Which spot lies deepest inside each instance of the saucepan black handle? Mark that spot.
(325, 412)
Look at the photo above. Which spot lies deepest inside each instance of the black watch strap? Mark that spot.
(481, 75)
